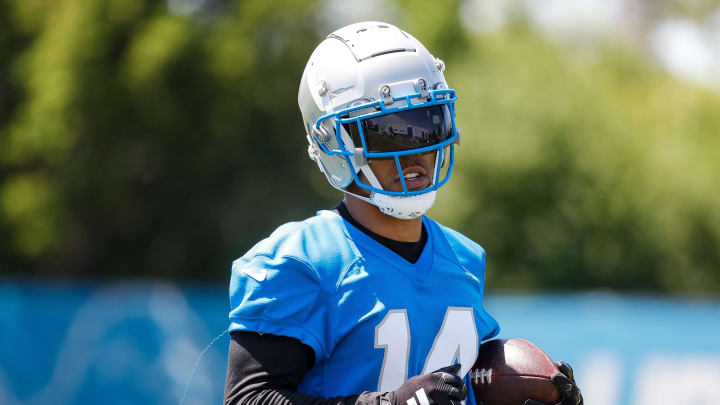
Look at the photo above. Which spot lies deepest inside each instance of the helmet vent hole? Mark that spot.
(389, 51)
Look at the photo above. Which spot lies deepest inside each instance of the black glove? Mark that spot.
(441, 387)
(565, 383)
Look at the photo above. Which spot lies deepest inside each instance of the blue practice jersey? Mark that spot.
(372, 318)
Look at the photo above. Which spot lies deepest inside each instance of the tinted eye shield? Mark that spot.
(404, 130)
(444, 99)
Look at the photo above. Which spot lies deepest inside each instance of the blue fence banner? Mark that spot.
(73, 342)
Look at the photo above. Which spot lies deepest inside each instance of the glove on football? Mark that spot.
(565, 383)
(441, 387)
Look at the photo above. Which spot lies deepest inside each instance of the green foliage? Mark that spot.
(134, 141)
(146, 143)
(438, 26)
(585, 173)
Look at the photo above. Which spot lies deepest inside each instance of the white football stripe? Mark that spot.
(422, 397)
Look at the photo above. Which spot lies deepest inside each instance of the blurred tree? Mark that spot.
(150, 143)
(438, 26)
(585, 173)
(163, 139)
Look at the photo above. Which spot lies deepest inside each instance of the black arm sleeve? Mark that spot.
(266, 369)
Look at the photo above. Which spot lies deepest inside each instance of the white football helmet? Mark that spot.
(373, 91)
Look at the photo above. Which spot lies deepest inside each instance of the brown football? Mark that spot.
(510, 371)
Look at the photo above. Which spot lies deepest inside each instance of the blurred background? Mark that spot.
(144, 145)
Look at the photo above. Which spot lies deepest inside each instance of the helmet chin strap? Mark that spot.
(401, 207)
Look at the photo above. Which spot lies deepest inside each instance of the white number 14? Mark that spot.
(456, 341)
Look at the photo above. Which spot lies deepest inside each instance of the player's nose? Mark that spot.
(410, 160)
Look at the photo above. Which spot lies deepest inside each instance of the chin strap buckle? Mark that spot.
(421, 87)
(386, 94)
(359, 157)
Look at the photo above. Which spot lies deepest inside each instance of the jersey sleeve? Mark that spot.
(472, 256)
(279, 295)
(491, 324)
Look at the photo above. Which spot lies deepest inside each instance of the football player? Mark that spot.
(371, 302)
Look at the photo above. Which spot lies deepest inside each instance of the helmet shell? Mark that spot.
(350, 67)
